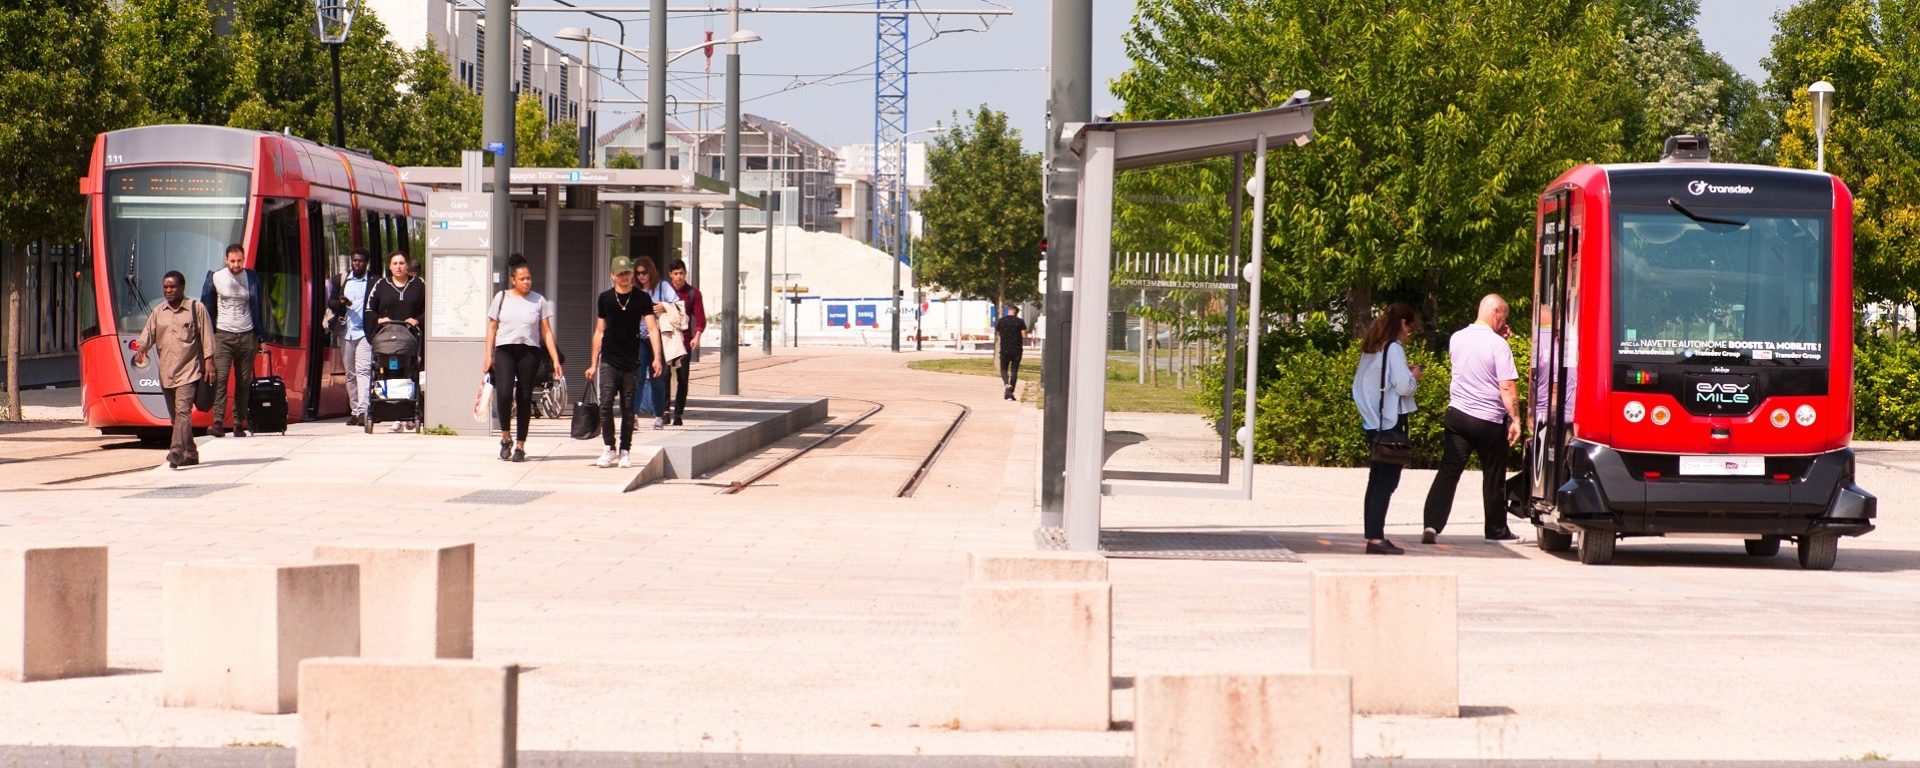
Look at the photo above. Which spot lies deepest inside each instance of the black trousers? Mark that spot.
(676, 385)
(617, 384)
(1382, 479)
(514, 369)
(1486, 439)
(1010, 365)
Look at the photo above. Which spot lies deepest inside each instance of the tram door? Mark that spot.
(1555, 338)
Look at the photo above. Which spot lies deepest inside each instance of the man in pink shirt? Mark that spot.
(1482, 408)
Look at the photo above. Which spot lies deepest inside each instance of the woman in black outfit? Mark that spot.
(398, 298)
(519, 323)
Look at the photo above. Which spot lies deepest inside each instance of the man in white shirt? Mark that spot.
(234, 299)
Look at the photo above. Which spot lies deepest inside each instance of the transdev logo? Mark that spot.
(1698, 188)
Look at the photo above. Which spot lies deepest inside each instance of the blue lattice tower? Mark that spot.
(890, 128)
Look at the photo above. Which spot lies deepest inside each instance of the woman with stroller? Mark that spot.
(519, 324)
(1383, 386)
(399, 298)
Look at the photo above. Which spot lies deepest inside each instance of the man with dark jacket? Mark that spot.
(234, 301)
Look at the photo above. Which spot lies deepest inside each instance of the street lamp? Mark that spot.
(906, 238)
(1822, 106)
(335, 18)
(583, 35)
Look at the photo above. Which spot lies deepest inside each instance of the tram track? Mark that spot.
(898, 441)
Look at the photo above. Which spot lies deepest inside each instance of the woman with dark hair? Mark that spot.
(519, 322)
(1383, 388)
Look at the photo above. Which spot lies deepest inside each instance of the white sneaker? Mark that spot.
(626, 462)
(606, 459)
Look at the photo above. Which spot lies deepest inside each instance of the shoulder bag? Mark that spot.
(1390, 444)
(203, 392)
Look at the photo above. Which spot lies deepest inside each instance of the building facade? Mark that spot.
(791, 169)
(561, 81)
(853, 186)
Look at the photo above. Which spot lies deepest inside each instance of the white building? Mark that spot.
(853, 180)
(792, 170)
(560, 81)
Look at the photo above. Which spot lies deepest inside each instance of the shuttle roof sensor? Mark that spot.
(1686, 149)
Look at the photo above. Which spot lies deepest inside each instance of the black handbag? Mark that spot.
(202, 389)
(1390, 445)
(586, 418)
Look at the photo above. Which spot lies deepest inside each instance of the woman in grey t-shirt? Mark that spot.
(519, 323)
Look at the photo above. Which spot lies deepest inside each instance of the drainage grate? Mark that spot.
(510, 498)
(183, 491)
(1196, 545)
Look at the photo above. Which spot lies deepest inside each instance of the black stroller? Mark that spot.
(394, 392)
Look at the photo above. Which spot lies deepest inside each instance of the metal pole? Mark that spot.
(900, 240)
(919, 298)
(339, 117)
(766, 290)
(1070, 100)
(586, 120)
(730, 248)
(654, 215)
(496, 125)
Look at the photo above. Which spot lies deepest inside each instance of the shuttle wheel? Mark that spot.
(1596, 547)
(1551, 540)
(1817, 551)
(1765, 546)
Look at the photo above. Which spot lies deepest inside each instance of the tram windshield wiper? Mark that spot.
(133, 272)
(1684, 211)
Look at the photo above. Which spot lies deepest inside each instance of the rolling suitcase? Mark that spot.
(267, 405)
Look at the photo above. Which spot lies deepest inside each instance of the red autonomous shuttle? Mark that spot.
(1692, 370)
(172, 197)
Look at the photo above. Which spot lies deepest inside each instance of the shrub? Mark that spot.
(1886, 373)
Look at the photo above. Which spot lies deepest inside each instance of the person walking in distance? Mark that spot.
(350, 292)
(615, 364)
(519, 321)
(696, 324)
(1011, 332)
(180, 333)
(1482, 418)
(1383, 387)
(400, 298)
(232, 297)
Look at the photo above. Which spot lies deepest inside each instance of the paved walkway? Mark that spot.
(812, 622)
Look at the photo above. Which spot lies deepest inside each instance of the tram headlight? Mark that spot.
(1661, 415)
(1634, 412)
(1779, 417)
(1805, 415)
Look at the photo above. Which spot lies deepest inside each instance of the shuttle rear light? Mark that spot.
(1779, 418)
(1805, 415)
(1634, 412)
(1661, 415)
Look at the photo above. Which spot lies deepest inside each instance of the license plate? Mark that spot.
(1723, 465)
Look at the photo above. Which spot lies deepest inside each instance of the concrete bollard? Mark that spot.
(1036, 566)
(1302, 720)
(422, 714)
(1397, 633)
(235, 633)
(1038, 656)
(415, 602)
(53, 612)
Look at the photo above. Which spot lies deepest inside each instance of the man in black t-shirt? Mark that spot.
(615, 364)
(1012, 333)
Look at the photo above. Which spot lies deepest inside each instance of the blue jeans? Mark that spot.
(1382, 479)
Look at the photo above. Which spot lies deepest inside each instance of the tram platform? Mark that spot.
(716, 431)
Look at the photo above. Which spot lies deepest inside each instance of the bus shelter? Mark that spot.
(1105, 149)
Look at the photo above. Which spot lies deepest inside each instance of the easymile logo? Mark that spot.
(1698, 187)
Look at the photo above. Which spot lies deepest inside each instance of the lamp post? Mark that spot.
(1822, 107)
(335, 19)
(906, 241)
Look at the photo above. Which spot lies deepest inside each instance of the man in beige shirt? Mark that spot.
(181, 334)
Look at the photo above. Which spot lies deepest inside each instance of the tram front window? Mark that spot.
(161, 219)
(1721, 287)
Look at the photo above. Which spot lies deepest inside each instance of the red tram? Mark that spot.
(1693, 363)
(172, 197)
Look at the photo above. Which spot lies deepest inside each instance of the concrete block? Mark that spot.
(1036, 566)
(1397, 633)
(422, 714)
(415, 602)
(234, 633)
(1302, 720)
(1037, 656)
(53, 612)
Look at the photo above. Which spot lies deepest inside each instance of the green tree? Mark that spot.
(1448, 117)
(538, 144)
(623, 160)
(55, 96)
(373, 76)
(982, 215)
(1870, 51)
(444, 115)
(283, 77)
(181, 71)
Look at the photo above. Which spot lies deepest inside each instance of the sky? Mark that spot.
(815, 71)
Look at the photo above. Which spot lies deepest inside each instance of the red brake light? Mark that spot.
(134, 345)
(1781, 478)
(1651, 476)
